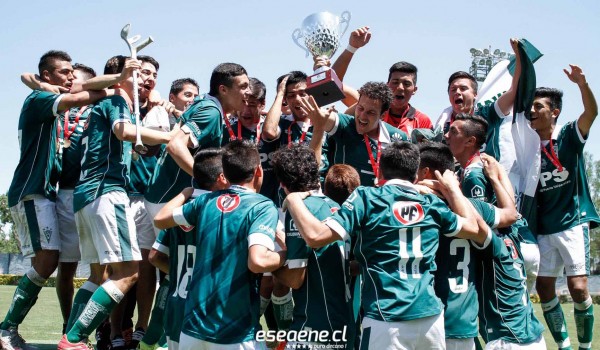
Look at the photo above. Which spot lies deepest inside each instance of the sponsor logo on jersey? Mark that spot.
(554, 175)
(408, 213)
(395, 137)
(228, 202)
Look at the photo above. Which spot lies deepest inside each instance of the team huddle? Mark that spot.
(374, 228)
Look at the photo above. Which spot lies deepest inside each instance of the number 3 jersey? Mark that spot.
(397, 234)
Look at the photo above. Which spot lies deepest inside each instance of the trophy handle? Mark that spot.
(296, 35)
(345, 18)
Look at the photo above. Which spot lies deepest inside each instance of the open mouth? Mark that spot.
(458, 101)
(399, 97)
(363, 123)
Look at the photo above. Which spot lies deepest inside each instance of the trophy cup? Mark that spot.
(321, 33)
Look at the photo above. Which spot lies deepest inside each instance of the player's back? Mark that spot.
(223, 301)
(105, 159)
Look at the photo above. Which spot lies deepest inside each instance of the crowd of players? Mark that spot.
(365, 229)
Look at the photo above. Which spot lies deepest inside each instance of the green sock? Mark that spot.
(23, 299)
(477, 344)
(556, 323)
(283, 308)
(584, 321)
(81, 299)
(155, 326)
(97, 310)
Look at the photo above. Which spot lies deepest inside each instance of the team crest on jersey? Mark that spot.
(408, 213)
(228, 202)
(186, 228)
(477, 191)
(334, 209)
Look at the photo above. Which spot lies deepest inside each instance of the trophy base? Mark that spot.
(325, 87)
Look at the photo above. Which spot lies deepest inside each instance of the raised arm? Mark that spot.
(178, 149)
(590, 107)
(82, 98)
(358, 38)
(270, 129)
(505, 195)
(127, 132)
(507, 100)
(34, 82)
(315, 233)
(164, 219)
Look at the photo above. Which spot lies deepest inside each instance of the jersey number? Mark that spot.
(410, 251)
(186, 256)
(463, 265)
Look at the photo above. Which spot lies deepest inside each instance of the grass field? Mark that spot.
(43, 325)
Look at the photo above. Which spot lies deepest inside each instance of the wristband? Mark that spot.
(351, 48)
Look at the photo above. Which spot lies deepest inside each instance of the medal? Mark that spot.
(66, 143)
(135, 156)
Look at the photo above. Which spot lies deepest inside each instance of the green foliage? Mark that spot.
(592, 169)
(10, 245)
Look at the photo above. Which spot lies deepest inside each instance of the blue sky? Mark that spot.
(192, 37)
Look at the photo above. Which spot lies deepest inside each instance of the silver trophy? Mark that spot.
(322, 32)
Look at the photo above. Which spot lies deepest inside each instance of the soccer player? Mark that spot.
(397, 232)
(174, 251)
(319, 278)
(235, 243)
(465, 137)
(565, 209)
(340, 182)
(402, 80)
(104, 218)
(32, 193)
(201, 127)
(359, 139)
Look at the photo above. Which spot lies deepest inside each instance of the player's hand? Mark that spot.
(321, 61)
(491, 168)
(130, 66)
(429, 187)
(360, 37)
(448, 182)
(187, 192)
(576, 75)
(154, 99)
(55, 89)
(281, 86)
(294, 196)
(316, 114)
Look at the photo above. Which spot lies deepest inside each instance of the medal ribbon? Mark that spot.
(552, 156)
(302, 137)
(67, 130)
(374, 164)
(230, 130)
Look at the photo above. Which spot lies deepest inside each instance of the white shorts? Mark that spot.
(36, 223)
(569, 249)
(190, 343)
(153, 209)
(499, 344)
(143, 223)
(460, 344)
(107, 230)
(172, 344)
(531, 258)
(422, 333)
(67, 228)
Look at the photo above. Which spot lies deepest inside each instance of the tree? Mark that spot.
(8, 240)
(592, 169)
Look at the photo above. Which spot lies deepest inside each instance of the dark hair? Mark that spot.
(224, 74)
(474, 125)
(403, 67)
(294, 77)
(177, 85)
(240, 160)
(462, 75)
(435, 156)
(258, 90)
(89, 72)
(149, 59)
(296, 168)
(115, 64)
(377, 91)
(400, 160)
(340, 181)
(47, 60)
(554, 95)
(208, 166)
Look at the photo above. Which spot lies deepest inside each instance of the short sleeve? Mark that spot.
(487, 211)
(162, 242)
(264, 223)
(187, 215)
(116, 110)
(348, 219)
(44, 105)
(342, 121)
(200, 123)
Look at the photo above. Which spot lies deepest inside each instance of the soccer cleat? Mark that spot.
(103, 336)
(118, 343)
(10, 339)
(136, 338)
(65, 344)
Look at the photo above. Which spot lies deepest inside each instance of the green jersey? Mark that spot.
(455, 279)
(142, 168)
(38, 168)
(106, 159)
(301, 133)
(563, 197)
(397, 233)
(179, 243)
(203, 122)
(505, 311)
(351, 148)
(474, 184)
(270, 184)
(223, 301)
(323, 300)
(71, 156)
